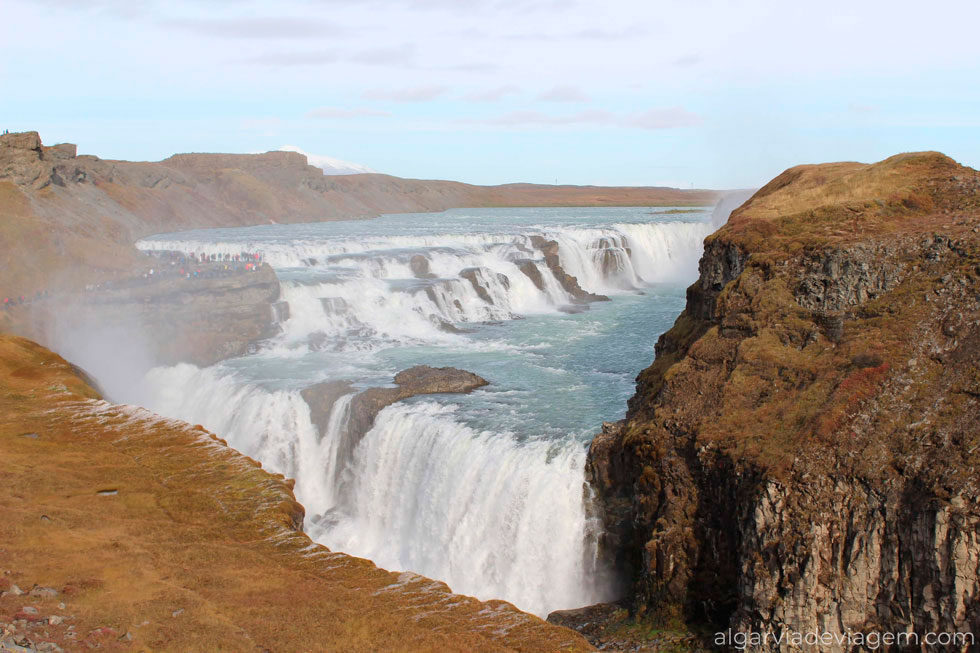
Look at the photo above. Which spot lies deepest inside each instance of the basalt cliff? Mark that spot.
(802, 454)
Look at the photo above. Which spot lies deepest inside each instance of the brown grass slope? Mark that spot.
(66, 219)
(796, 241)
(157, 537)
(802, 452)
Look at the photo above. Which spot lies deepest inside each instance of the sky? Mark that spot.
(692, 93)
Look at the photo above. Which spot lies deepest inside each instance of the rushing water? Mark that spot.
(484, 491)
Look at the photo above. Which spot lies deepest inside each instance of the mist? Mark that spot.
(728, 203)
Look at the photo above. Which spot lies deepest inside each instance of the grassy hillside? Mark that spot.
(156, 536)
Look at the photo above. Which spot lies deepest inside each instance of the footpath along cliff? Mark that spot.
(802, 454)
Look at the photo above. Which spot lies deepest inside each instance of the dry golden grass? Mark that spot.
(763, 380)
(194, 527)
(811, 205)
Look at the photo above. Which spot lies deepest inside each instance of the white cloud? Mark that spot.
(668, 118)
(393, 55)
(564, 93)
(660, 118)
(857, 107)
(328, 164)
(493, 94)
(270, 27)
(688, 60)
(338, 113)
(531, 118)
(293, 58)
(408, 94)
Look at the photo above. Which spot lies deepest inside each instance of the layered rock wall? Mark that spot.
(801, 454)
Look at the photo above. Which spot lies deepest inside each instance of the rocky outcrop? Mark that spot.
(479, 278)
(419, 265)
(321, 398)
(839, 279)
(24, 161)
(218, 315)
(531, 271)
(366, 404)
(549, 249)
(418, 380)
(801, 454)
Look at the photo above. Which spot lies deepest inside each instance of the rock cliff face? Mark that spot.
(801, 455)
(200, 320)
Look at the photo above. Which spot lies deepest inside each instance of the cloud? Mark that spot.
(565, 93)
(337, 113)
(862, 108)
(475, 67)
(409, 94)
(312, 58)
(492, 95)
(267, 124)
(537, 118)
(687, 60)
(391, 56)
(667, 118)
(596, 34)
(397, 55)
(590, 34)
(256, 28)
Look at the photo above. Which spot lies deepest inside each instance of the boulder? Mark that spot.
(418, 380)
(321, 398)
(420, 267)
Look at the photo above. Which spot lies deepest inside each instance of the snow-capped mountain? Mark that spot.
(328, 164)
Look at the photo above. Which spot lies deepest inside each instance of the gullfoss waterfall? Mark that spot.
(484, 491)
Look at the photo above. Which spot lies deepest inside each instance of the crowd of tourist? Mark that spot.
(166, 265)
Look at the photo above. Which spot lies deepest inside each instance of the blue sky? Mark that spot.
(688, 93)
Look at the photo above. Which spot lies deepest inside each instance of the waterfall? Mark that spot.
(498, 517)
(364, 294)
(493, 512)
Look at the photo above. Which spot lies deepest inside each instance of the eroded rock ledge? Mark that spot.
(201, 320)
(366, 404)
(549, 249)
(801, 455)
